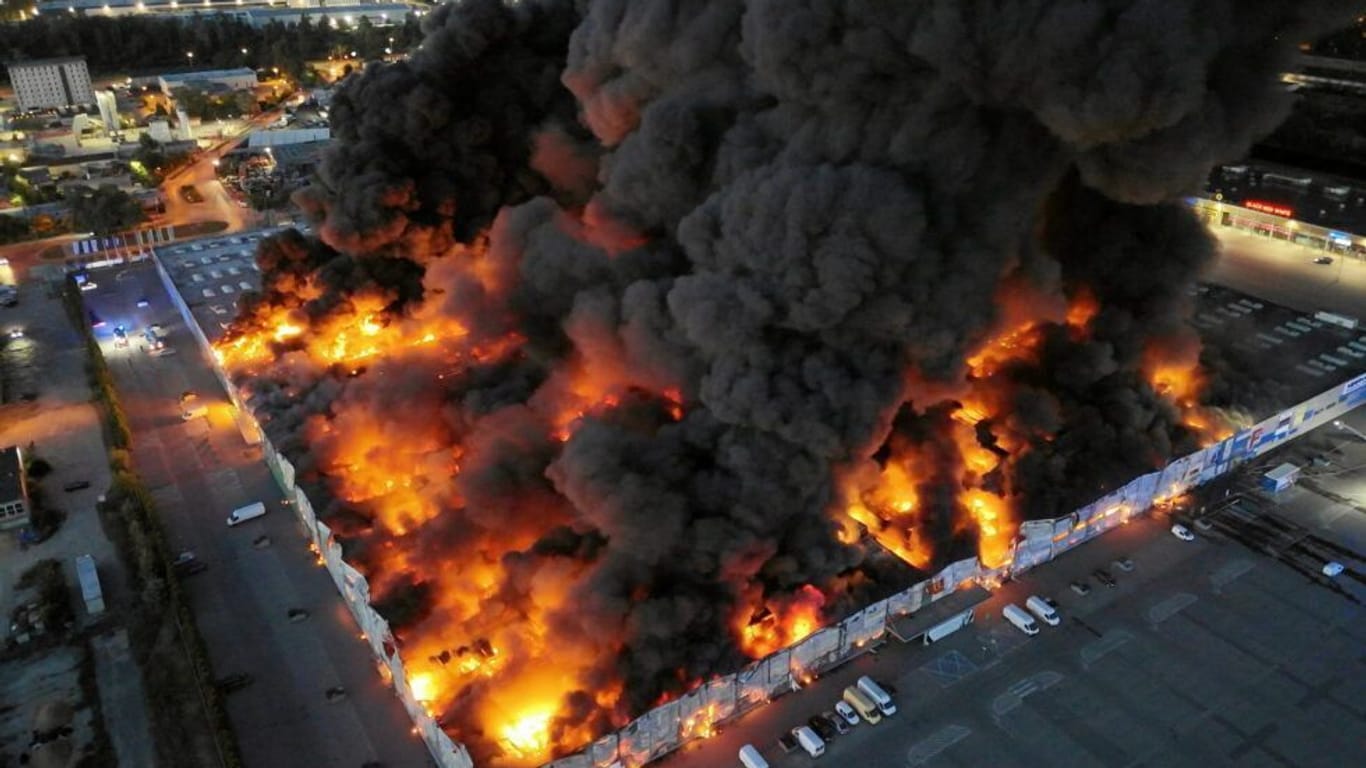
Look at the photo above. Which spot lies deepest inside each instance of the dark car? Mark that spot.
(191, 568)
(1104, 577)
(76, 485)
(841, 727)
(822, 727)
(234, 682)
(787, 742)
(1324, 260)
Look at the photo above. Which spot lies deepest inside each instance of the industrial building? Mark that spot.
(201, 280)
(14, 504)
(50, 83)
(239, 79)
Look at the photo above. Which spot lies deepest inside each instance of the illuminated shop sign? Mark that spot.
(1272, 208)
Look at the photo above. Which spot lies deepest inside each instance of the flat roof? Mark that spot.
(211, 274)
(907, 627)
(45, 62)
(11, 470)
(211, 74)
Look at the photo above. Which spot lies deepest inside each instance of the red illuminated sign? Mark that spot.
(1272, 208)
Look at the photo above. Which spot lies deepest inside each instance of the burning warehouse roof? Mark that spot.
(626, 320)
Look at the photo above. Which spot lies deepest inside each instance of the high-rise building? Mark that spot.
(48, 83)
(109, 110)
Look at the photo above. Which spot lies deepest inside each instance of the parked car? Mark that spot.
(1081, 588)
(822, 727)
(234, 682)
(188, 556)
(76, 485)
(1182, 532)
(841, 727)
(191, 568)
(1332, 568)
(1324, 260)
(787, 742)
(1104, 577)
(1124, 563)
(143, 303)
(847, 712)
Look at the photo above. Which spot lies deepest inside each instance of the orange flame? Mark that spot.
(1172, 369)
(783, 622)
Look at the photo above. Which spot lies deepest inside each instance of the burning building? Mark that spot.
(631, 326)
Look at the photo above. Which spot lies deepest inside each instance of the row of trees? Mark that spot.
(104, 210)
(138, 44)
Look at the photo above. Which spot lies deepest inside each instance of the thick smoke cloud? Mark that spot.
(710, 264)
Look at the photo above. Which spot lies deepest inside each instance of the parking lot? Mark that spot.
(1216, 651)
(263, 605)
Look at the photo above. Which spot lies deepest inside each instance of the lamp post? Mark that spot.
(1340, 424)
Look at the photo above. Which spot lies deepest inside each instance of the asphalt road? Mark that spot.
(198, 471)
(1285, 273)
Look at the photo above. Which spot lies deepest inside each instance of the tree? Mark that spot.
(13, 228)
(104, 210)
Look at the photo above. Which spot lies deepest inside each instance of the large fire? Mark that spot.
(1172, 368)
(389, 461)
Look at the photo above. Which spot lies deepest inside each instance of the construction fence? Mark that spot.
(669, 726)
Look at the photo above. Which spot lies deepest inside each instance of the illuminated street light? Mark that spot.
(190, 55)
(1340, 424)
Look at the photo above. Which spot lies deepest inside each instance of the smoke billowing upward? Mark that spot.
(632, 324)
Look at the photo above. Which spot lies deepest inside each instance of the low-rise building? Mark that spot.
(14, 504)
(241, 78)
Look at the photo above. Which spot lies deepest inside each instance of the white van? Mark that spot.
(751, 757)
(881, 698)
(1022, 621)
(813, 744)
(1040, 607)
(249, 512)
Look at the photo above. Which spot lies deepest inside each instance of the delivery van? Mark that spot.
(881, 698)
(1022, 621)
(751, 757)
(862, 704)
(249, 512)
(1040, 607)
(813, 744)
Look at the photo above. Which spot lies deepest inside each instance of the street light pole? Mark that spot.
(1340, 424)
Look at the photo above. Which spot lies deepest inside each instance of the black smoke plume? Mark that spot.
(800, 217)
